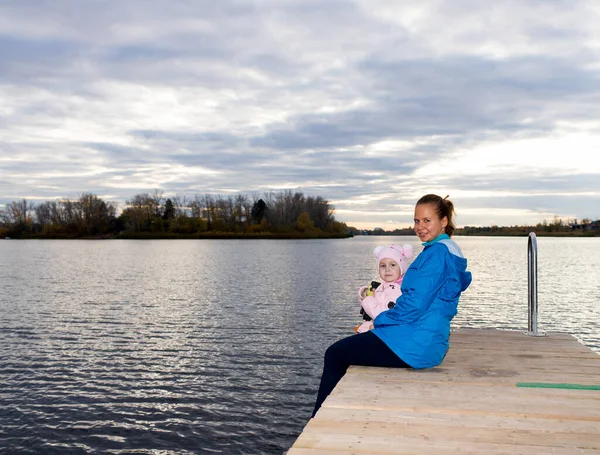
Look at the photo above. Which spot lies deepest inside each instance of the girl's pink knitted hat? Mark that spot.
(398, 253)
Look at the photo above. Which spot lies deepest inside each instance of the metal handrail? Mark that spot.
(532, 323)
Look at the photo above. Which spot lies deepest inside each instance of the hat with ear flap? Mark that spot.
(396, 252)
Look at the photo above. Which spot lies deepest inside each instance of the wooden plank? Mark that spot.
(322, 429)
(425, 445)
(434, 418)
(492, 351)
(355, 387)
(474, 375)
(468, 405)
(507, 408)
(529, 367)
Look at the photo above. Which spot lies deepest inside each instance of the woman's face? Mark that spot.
(428, 224)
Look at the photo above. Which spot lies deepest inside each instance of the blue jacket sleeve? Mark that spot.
(419, 289)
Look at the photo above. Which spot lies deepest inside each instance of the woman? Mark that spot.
(414, 333)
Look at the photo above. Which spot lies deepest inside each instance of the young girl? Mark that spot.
(392, 265)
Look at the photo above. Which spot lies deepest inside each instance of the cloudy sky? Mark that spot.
(367, 103)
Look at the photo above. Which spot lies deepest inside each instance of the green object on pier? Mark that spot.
(557, 385)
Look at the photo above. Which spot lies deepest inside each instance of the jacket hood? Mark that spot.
(460, 263)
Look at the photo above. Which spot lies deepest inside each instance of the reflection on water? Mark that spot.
(216, 346)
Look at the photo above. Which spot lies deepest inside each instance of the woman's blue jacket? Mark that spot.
(418, 327)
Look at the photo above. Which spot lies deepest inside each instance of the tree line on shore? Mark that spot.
(145, 215)
(282, 214)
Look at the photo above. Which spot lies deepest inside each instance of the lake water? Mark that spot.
(216, 346)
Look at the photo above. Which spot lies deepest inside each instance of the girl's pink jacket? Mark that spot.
(378, 302)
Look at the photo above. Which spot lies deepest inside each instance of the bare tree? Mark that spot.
(43, 214)
(320, 211)
(242, 210)
(180, 205)
(196, 207)
(93, 215)
(157, 199)
(140, 211)
(18, 214)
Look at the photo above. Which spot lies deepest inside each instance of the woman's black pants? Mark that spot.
(362, 349)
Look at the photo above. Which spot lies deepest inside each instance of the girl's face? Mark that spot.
(389, 270)
(428, 224)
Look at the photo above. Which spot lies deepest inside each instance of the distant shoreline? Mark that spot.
(491, 232)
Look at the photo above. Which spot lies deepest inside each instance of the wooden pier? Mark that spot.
(497, 392)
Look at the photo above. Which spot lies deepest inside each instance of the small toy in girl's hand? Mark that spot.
(392, 265)
(370, 290)
(374, 285)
